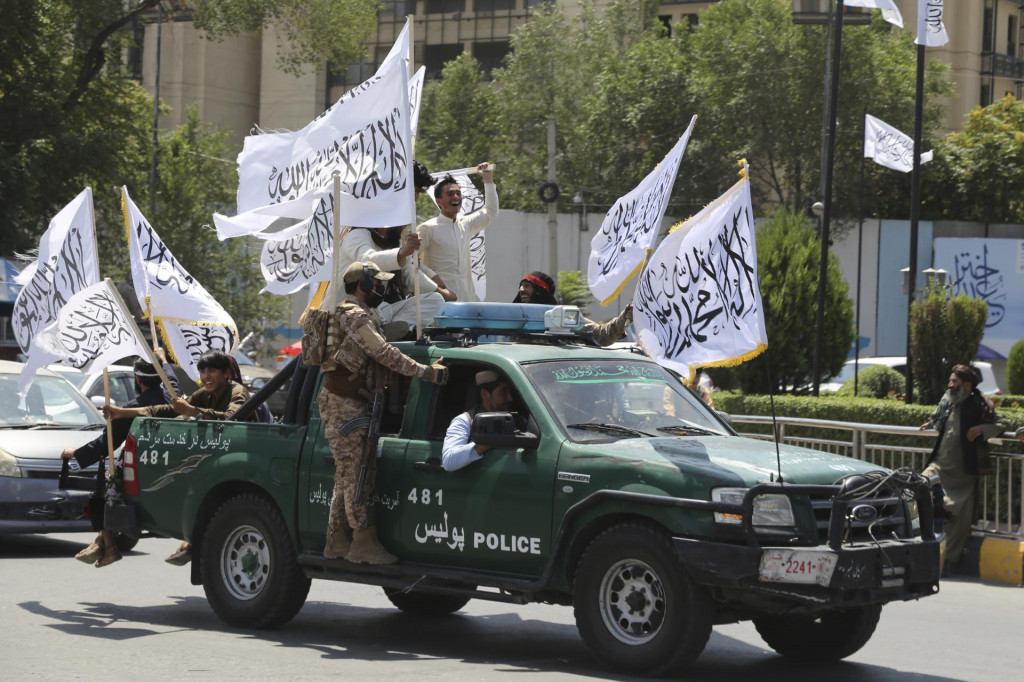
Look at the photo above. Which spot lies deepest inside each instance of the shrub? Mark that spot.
(788, 258)
(875, 381)
(944, 331)
(1015, 369)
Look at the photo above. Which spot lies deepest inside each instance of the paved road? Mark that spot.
(140, 619)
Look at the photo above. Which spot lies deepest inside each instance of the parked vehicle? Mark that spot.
(57, 415)
(987, 386)
(255, 377)
(653, 527)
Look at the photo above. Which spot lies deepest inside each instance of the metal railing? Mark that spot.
(1001, 503)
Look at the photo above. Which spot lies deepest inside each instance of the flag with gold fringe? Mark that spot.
(189, 319)
(698, 303)
(630, 228)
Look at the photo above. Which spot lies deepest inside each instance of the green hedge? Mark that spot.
(832, 408)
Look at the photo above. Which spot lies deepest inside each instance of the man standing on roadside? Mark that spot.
(965, 420)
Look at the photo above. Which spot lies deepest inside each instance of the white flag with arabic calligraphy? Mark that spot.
(67, 263)
(301, 254)
(931, 31)
(631, 226)
(365, 136)
(190, 320)
(93, 330)
(889, 147)
(698, 303)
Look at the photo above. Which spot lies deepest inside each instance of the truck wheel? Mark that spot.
(249, 569)
(425, 604)
(125, 543)
(636, 608)
(822, 637)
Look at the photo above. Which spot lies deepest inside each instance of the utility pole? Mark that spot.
(552, 206)
(156, 110)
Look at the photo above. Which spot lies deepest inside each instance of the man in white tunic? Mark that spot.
(384, 248)
(446, 238)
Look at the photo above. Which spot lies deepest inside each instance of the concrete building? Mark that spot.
(236, 83)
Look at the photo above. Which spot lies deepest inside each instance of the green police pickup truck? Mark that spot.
(620, 493)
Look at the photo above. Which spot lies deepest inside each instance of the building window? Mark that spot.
(986, 94)
(490, 55)
(491, 6)
(1011, 35)
(443, 6)
(436, 56)
(986, 29)
(391, 9)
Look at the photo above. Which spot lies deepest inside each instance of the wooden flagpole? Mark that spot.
(412, 179)
(110, 424)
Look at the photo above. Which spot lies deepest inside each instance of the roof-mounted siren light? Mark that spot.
(563, 318)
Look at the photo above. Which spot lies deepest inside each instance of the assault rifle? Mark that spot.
(370, 448)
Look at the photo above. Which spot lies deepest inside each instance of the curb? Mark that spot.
(993, 558)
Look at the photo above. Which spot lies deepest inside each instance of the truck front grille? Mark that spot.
(889, 519)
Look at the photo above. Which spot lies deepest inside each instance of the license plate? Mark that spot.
(790, 566)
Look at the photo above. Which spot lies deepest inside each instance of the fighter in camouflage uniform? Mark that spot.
(358, 362)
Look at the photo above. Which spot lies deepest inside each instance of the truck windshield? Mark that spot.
(629, 398)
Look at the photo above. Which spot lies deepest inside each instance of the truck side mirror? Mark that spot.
(724, 416)
(498, 430)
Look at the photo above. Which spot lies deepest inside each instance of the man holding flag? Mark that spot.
(103, 550)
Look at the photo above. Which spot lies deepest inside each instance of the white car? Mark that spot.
(899, 363)
(122, 383)
(56, 416)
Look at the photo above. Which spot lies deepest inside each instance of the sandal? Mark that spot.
(109, 557)
(180, 557)
(92, 553)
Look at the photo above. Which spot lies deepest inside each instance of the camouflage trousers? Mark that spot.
(335, 411)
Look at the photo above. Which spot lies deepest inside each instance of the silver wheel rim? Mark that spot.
(245, 563)
(632, 602)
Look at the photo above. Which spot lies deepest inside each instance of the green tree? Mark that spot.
(460, 129)
(573, 290)
(1015, 369)
(978, 173)
(944, 331)
(72, 117)
(788, 258)
(196, 181)
(757, 79)
(554, 64)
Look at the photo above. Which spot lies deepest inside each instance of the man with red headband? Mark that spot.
(538, 287)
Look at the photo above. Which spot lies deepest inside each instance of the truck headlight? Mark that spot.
(9, 465)
(769, 510)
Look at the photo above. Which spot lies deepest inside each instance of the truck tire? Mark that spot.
(250, 573)
(820, 638)
(425, 604)
(635, 607)
(125, 543)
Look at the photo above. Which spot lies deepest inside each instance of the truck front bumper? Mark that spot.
(863, 573)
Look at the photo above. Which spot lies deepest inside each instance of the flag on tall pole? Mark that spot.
(931, 29)
(190, 320)
(889, 147)
(629, 229)
(890, 12)
(697, 302)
